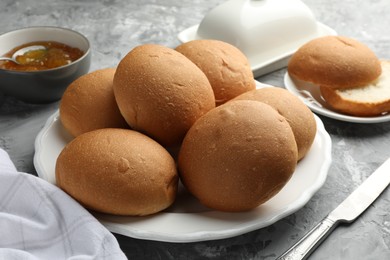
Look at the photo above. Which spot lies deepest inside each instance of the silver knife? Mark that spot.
(347, 211)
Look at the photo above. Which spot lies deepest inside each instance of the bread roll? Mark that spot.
(117, 171)
(161, 93)
(297, 114)
(372, 99)
(225, 66)
(335, 61)
(89, 103)
(238, 156)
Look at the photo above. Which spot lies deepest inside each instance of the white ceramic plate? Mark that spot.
(310, 94)
(260, 67)
(187, 220)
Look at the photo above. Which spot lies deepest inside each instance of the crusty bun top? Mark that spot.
(117, 171)
(336, 62)
(297, 114)
(161, 93)
(89, 103)
(225, 66)
(237, 156)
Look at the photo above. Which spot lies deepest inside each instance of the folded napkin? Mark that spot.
(40, 221)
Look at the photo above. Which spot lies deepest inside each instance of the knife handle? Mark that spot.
(304, 247)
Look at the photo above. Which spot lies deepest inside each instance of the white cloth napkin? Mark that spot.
(40, 221)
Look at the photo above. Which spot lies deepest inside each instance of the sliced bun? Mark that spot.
(225, 66)
(372, 99)
(297, 114)
(238, 156)
(117, 171)
(89, 104)
(161, 93)
(336, 62)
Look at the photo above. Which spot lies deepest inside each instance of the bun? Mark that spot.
(237, 156)
(297, 114)
(89, 104)
(161, 93)
(117, 171)
(336, 62)
(372, 99)
(225, 66)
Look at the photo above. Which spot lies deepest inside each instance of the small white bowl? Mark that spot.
(268, 32)
(42, 86)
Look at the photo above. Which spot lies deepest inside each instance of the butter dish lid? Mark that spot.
(268, 32)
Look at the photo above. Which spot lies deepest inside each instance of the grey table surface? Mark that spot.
(114, 27)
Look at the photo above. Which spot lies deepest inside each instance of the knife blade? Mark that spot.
(354, 205)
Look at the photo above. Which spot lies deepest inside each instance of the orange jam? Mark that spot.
(55, 55)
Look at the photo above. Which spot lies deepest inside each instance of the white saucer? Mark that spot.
(311, 96)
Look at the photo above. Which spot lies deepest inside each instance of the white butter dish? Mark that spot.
(268, 32)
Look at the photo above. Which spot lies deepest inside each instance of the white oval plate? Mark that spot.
(310, 94)
(187, 220)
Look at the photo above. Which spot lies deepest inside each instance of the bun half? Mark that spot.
(336, 62)
(373, 99)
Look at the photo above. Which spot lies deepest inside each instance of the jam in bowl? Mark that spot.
(42, 75)
(40, 56)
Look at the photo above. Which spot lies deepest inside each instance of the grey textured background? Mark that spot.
(114, 27)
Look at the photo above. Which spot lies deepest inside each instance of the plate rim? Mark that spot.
(290, 86)
(202, 235)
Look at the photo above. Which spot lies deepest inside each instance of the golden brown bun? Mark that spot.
(297, 114)
(335, 61)
(117, 171)
(89, 103)
(161, 93)
(238, 156)
(372, 99)
(226, 67)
